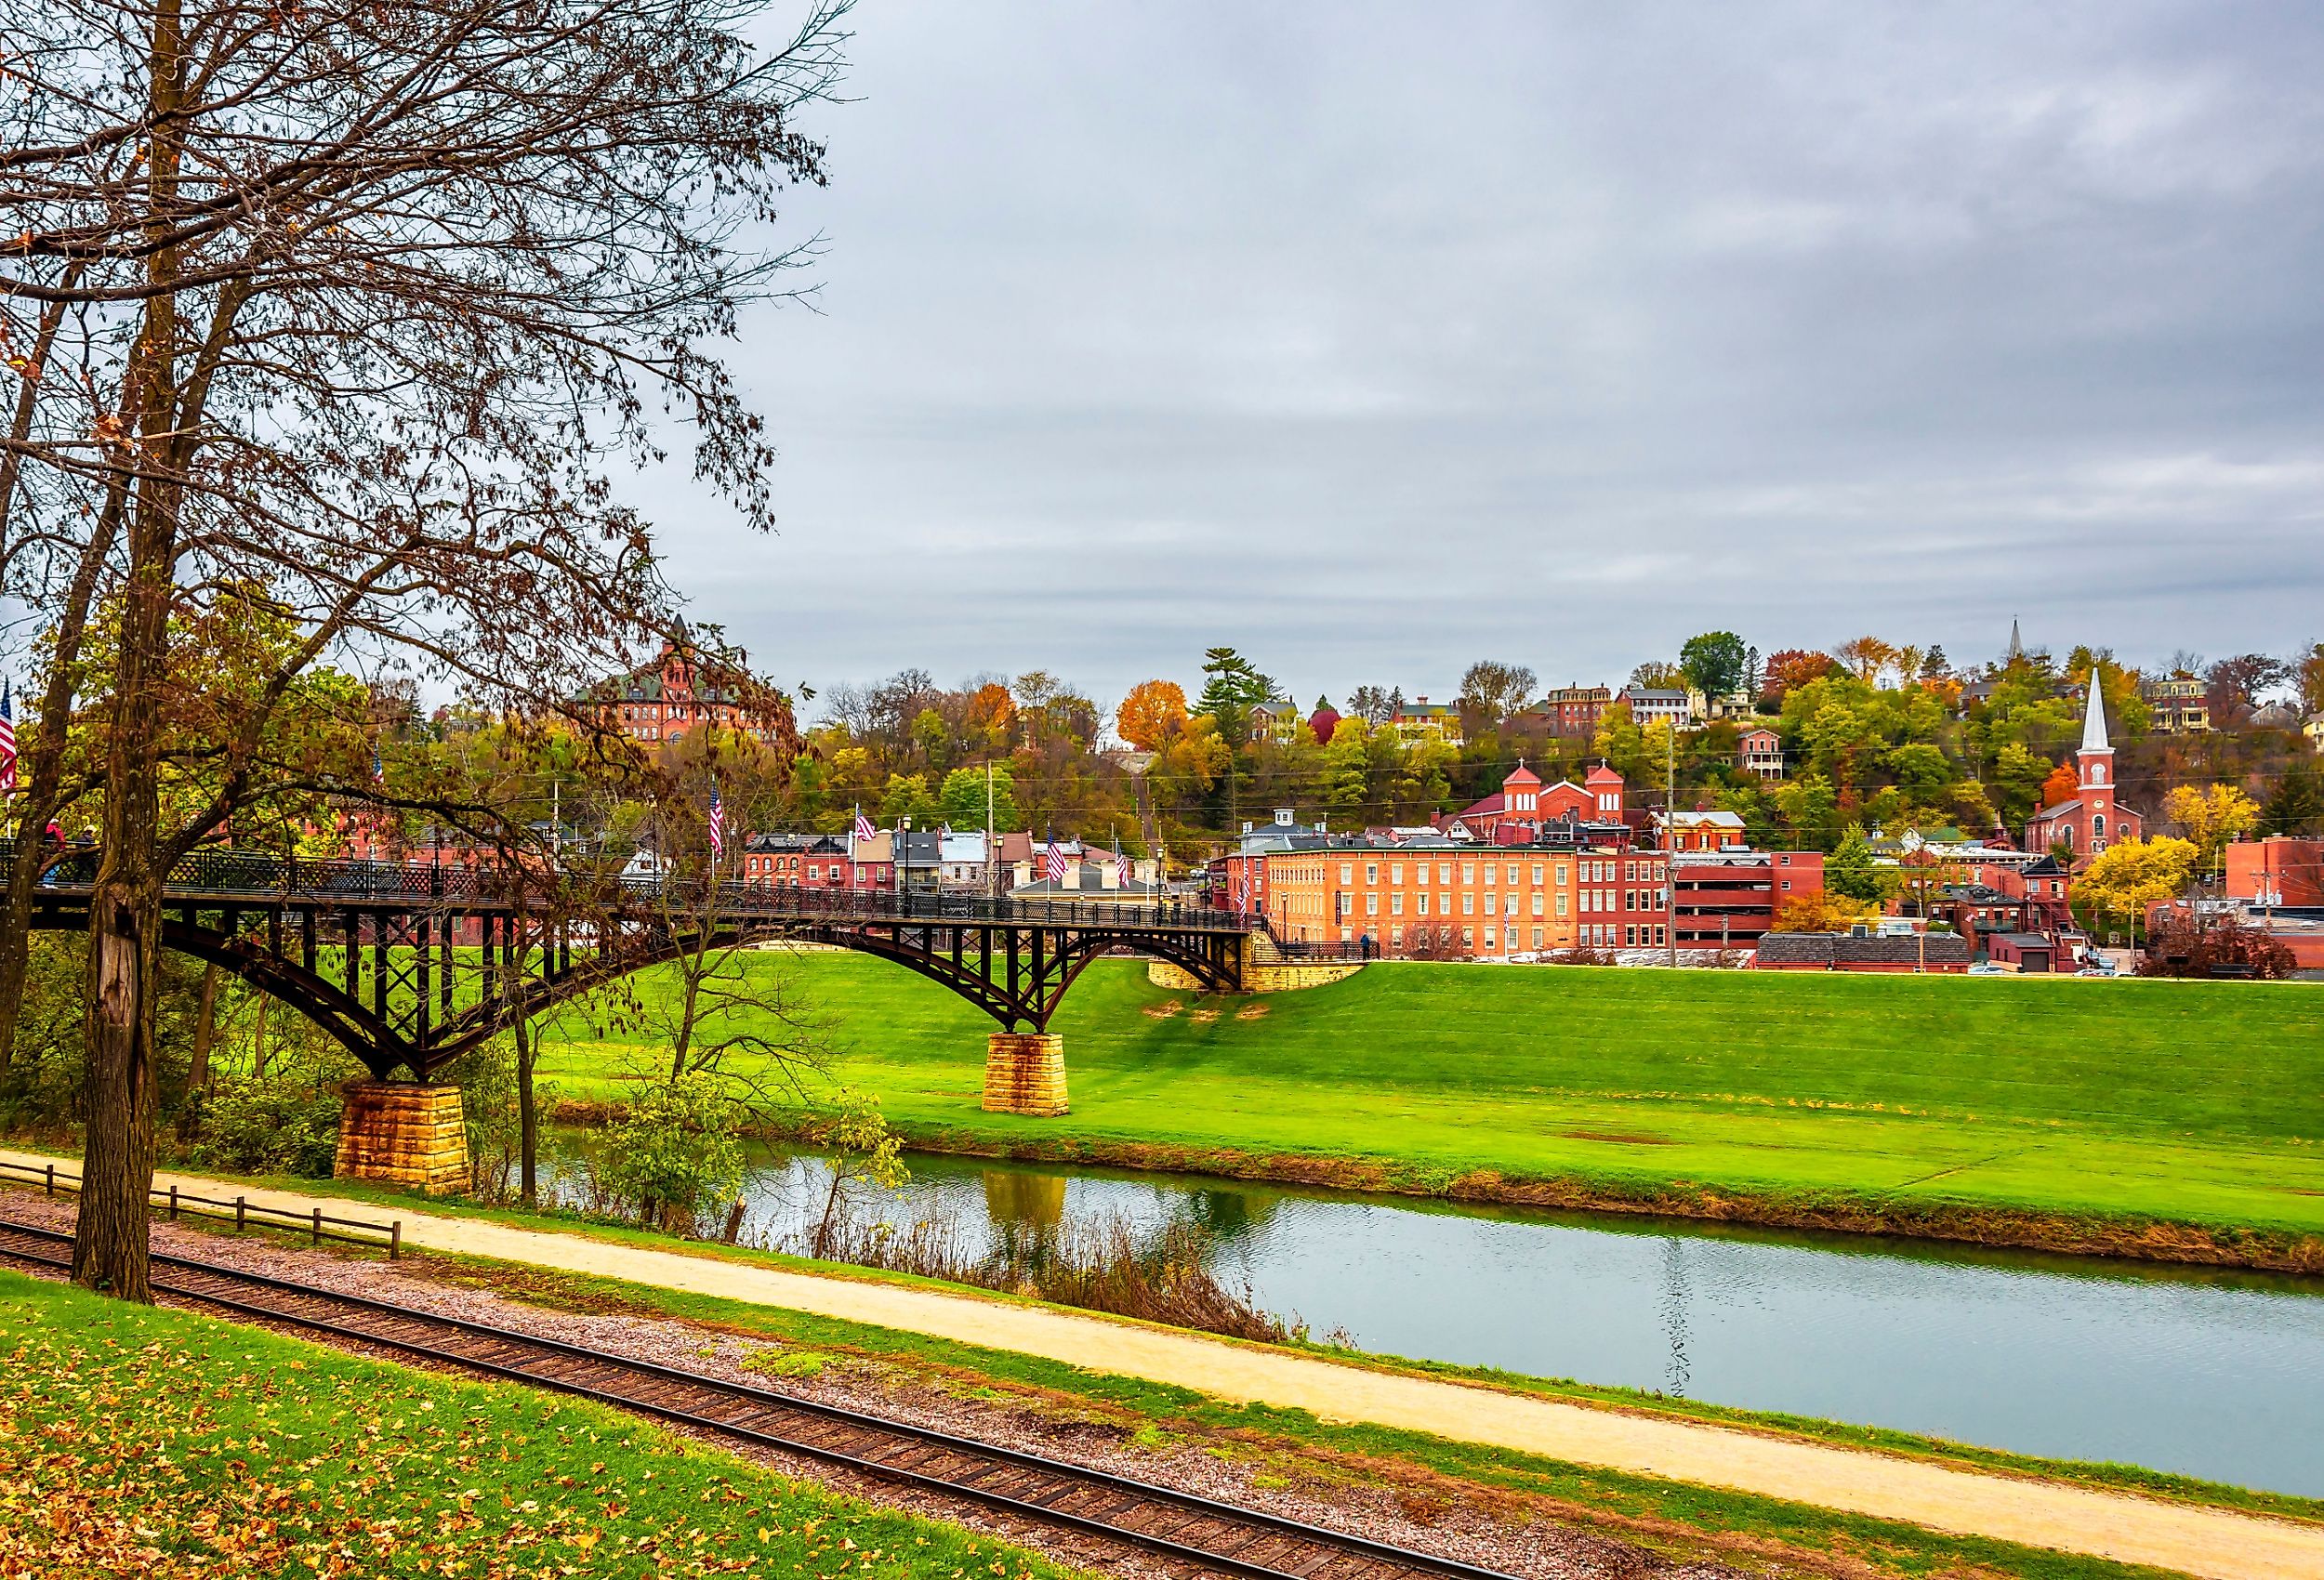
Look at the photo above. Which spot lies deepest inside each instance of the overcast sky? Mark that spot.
(1376, 339)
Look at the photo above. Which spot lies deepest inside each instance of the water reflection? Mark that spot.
(2212, 1374)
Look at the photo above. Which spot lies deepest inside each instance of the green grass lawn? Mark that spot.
(2193, 1103)
(165, 1444)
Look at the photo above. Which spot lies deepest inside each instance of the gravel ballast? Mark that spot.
(1423, 1516)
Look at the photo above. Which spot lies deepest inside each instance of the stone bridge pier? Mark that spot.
(403, 1133)
(1024, 1073)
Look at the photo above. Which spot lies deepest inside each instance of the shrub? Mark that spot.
(258, 1127)
(675, 1152)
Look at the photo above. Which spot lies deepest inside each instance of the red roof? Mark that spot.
(1601, 774)
(1522, 777)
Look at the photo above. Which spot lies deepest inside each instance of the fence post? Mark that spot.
(173, 1203)
(395, 1239)
(318, 1233)
(52, 1178)
(241, 1212)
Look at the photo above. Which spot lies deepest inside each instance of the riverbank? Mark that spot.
(2164, 1121)
(1909, 1513)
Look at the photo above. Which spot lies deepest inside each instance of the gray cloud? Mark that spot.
(1375, 340)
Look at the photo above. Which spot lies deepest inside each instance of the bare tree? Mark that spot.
(360, 305)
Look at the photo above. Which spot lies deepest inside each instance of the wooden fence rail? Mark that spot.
(241, 1212)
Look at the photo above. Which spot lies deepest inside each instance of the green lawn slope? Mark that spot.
(1981, 1108)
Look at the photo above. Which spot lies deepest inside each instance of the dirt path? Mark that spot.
(2128, 1529)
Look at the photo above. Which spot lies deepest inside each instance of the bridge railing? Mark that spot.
(740, 900)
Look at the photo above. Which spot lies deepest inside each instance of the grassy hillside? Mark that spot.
(2200, 1102)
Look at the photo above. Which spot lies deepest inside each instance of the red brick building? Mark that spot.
(658, 704)
(2275, 872)
(2092, 819)
(1728, 900)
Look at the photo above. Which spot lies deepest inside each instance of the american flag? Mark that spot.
(864, 829)
(718, 821)
(1121, 867)
(1055, 867)
(7, 738)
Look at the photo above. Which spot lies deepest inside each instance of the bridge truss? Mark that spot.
(411, 966)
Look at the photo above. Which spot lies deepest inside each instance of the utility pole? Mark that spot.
(1671, 833)
(992, 852)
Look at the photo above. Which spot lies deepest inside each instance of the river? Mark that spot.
(2211, 1374)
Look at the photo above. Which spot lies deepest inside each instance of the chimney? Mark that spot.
(1283, 817)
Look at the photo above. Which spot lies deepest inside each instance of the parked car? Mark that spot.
(2102, 969)
(1990, 969)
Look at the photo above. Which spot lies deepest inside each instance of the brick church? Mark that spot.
(2092, 819)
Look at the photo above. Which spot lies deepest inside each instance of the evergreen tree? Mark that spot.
(2297, 807)
(1851, 871)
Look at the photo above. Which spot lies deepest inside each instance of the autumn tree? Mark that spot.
(360, 305)
(2131, 875)
(1490, 691)
(2233, 686)
(2210, 816)
(2310, 679)
(1823, 910)
(1865, 657)
(1794, 666)
(2062, 785)
(1151, 713)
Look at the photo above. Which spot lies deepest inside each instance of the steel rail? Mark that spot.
(1256, 1525)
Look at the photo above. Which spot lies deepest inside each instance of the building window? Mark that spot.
(1537, 938)
(1422, 908)
(1490, 936)
(1629, 937)
(1536, 903)
(1371, 872)
(1371, 904)
(1561, 903)
(1661, 937)
(1468, 938)
(1467, 872)
(1443, 872)
(1395, 872)
(1468, 904)
(1561, 883)
(1347, 873)
(1537, 876)
(1396, 907)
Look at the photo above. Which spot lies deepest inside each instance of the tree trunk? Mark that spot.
(259, 1053)
(528, 1119)
(198, 1067)
(204, 1029)
(109, 1240)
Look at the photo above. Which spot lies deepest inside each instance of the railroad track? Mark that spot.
(1191, 1534)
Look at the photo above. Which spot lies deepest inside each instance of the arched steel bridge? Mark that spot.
(411, 966)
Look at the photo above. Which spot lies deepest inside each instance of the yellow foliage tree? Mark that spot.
(2212, 816)
(2134, 873)
(1822, 912)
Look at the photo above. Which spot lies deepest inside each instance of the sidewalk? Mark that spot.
(2128, 1529)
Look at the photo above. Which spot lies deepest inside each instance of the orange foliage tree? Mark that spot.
(2061, 785)
(1154, 711)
